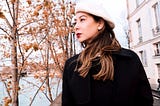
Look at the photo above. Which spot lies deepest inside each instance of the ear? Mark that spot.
(101, 23)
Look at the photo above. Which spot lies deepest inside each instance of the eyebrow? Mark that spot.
(80, 17)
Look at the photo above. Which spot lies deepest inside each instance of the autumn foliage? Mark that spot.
(37, 39)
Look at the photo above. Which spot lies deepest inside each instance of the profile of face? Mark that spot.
(86, 27)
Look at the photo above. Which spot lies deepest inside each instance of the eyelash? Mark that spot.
(74, 23)
(82, 19)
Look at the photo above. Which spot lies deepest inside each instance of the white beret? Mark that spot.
(94, 7)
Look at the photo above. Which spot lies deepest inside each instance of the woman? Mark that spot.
(103, 74)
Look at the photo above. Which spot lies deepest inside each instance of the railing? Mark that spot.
(157, 52)
(156, 93)
(156, 30)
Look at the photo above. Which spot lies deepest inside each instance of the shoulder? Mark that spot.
(72, 59)
(126, 53)
(70, 66)
(71, 62)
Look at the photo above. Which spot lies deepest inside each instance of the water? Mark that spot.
(29, 87)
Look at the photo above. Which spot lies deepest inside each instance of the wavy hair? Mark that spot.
(101, 46)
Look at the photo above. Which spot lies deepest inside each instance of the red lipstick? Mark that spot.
(78, 35)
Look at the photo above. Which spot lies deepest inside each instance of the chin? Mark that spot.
(80, 40)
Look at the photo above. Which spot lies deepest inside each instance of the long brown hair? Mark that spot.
(101, 46)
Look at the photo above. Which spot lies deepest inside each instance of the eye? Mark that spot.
(73, 24)
(82, 19)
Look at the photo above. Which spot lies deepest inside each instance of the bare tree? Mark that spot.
(37, 26)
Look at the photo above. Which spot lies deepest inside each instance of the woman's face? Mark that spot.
(86, 27)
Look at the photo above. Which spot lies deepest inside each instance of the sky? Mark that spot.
(117, 9)
(115, 6)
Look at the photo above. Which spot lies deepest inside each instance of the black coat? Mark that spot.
(130, 86)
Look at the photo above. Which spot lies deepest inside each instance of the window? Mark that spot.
(157, 49)
(138, 2)
(156, 8)
(139, 29)
(158, 68)
(143, 57)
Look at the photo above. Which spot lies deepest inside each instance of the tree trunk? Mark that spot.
(15, 82)
(15, 79)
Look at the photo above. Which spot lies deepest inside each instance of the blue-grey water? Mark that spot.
(28, 90)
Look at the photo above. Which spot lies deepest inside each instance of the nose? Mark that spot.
(76, 27)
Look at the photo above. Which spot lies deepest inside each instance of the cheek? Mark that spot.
(92, 31)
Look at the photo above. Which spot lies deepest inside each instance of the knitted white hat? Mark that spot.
(94, 7)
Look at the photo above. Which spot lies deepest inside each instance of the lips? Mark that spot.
(78, 35)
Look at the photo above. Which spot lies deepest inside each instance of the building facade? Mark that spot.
(144, 34)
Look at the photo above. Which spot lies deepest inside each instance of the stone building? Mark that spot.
(144, 34)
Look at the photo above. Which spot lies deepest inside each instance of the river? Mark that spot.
(29, 87)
